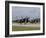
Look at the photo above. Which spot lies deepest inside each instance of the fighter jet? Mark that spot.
(26, 20)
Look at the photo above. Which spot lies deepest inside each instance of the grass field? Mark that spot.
(16, 28)
(22, 27)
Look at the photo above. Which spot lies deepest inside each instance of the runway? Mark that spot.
(27, 25)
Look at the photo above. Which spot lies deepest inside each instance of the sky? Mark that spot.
(25, 11)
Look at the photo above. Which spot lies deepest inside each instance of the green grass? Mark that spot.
(16, 28)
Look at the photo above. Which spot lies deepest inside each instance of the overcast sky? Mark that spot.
(25, 11)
